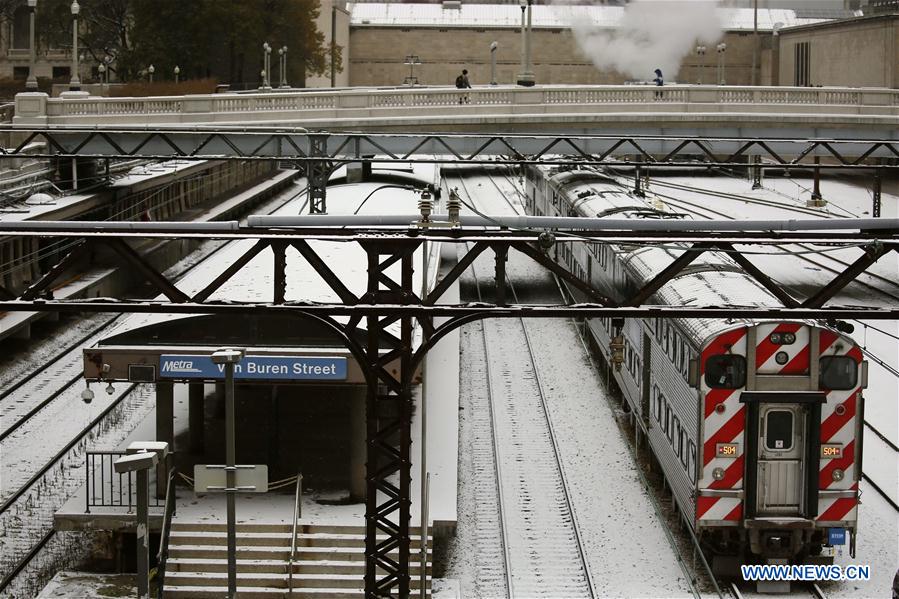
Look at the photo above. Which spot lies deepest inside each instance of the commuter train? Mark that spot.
(755, 424)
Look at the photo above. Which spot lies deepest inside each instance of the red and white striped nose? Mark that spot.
(782, 349)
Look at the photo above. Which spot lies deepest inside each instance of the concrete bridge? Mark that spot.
(856, 113)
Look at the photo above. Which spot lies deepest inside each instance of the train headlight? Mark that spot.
(789, 338)
(782, 357)
(837, 474)
(718, 473)
(775, 338)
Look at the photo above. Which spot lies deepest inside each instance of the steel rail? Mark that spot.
(23, 563)
(497, 468)
(8, 503)
(691, 581)
(53, 360)
(589, 577)
(62, 452)
(552, 437)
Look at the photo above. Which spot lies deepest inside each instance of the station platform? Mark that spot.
(102, 281)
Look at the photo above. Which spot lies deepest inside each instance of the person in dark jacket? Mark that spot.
(659, 80)
(462, 82)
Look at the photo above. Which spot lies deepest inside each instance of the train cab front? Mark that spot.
(782, 454)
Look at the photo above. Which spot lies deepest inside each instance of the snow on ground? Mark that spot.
(624, 541)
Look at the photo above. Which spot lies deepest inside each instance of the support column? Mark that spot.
(165, 429)
(196, 418)
(817, 200)
(317, 173)
(389, 430)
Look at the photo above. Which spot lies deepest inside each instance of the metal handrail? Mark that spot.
(163, 554)
(297, 514)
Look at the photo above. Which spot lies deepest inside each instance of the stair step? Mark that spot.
(275, 566)
(204, 592)
(263, 552)
(274, 539)
(217, 526)
(280, 581)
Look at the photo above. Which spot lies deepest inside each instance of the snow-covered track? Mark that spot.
(542, 547)
(28, 542)
(35, 391)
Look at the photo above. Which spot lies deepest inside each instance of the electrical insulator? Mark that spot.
(454, 206)
(616, 348)
(424, 206)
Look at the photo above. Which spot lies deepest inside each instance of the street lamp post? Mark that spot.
(75, 83)
(700, 52)
(151, 70)
(493, 47)
(526, 76)
(31, 82)
(722, 48)
(177, 74)
(266, 65)
(284, 84)
(229, 357)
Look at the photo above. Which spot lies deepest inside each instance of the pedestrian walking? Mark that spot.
(462, 82)
(659, 81)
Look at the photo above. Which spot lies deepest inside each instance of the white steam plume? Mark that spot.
(652, 34)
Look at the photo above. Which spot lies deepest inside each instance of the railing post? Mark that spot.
(87, 483)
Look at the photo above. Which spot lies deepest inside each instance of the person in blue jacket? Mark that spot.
(658, 80)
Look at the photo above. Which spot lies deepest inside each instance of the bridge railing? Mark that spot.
(34, 109)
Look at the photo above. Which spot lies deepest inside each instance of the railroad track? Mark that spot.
(30, 507)
(542, 551)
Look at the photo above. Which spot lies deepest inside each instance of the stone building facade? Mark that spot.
(451, 37)
(861, 52)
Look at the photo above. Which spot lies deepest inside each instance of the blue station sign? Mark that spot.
(267, 368)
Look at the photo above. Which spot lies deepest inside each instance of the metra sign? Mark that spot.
(295, 368)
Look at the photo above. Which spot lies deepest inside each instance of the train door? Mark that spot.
(781, 454)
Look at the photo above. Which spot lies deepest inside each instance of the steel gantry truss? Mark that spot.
(387, 301)
(320, 152)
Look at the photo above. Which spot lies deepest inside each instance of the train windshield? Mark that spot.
(725, 371)
(838, 372)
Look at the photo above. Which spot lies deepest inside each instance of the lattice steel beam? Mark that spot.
(298, 145)
(389, 424)
(388, 301)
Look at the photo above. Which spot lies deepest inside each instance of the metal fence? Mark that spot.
(107, 488)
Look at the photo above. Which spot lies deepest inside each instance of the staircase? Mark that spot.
(330, 561)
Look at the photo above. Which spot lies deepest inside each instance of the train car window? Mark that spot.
(673, 429)
(667, 340)
(725, 371)
(779, 430)
(684, 459)
(666, 425)
(838, 372)
(657, 404)
(691, 468)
